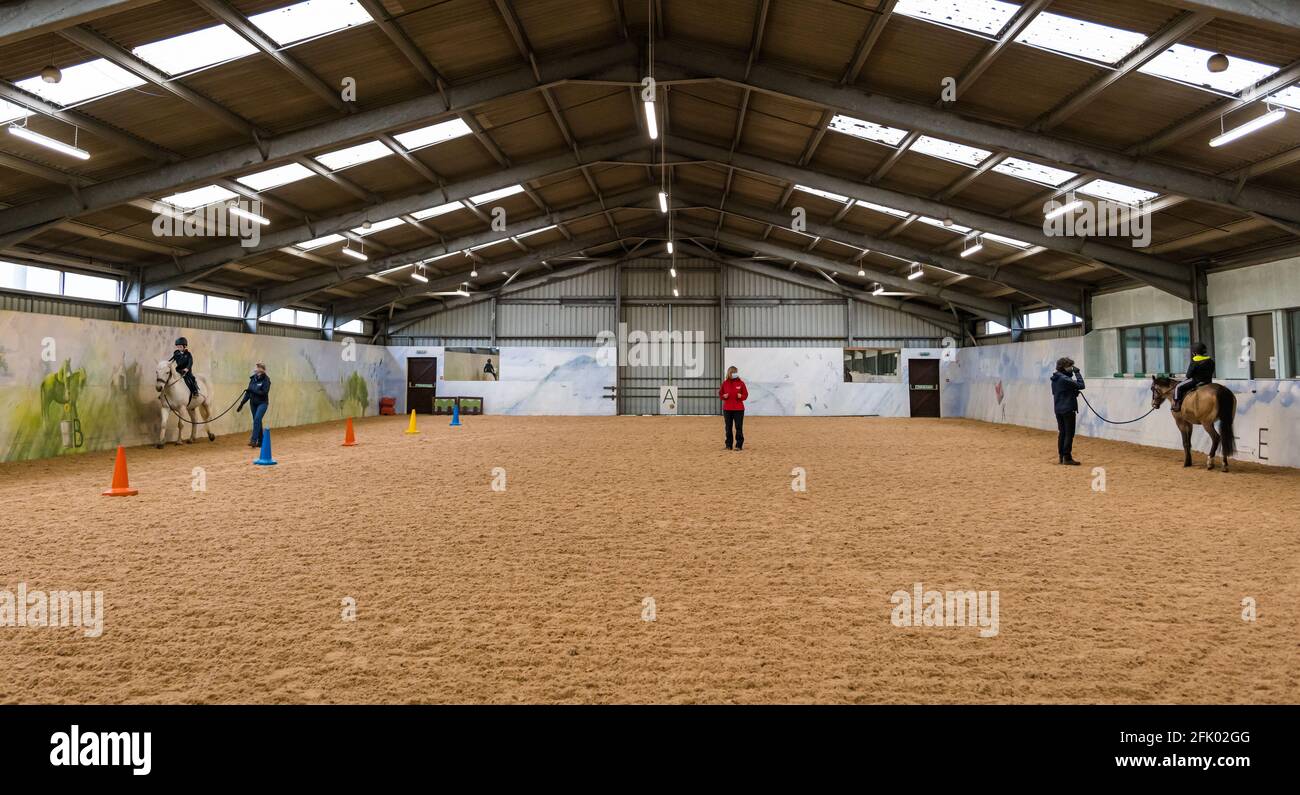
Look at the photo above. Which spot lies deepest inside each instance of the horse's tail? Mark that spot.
(1227, 410)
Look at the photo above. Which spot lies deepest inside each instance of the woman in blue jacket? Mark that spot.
(258, 394)
(1067, 383)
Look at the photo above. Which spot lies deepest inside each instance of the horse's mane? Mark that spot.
(1164, 380)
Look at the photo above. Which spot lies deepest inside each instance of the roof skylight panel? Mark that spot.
(955, 227)
(275, 177)
(200, 197)
(1010, 241)
(433, 134)
(493, 195)
(1078, 37)
(195, 50)
(950, 150)
(1034, 172)
(84, 81)
(378, 226)
(441, 209)
(825, 194)
(1114, 191)
(867, 130)
(1288, 97)
(536, 231)
(979, 16)
(880, 208)
(1186, 64)
(353, 155)
(10, 111)
(308, 245)
(310, 19)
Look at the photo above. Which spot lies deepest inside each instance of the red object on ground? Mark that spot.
(120, 487)
(388, 405)
(734, 393)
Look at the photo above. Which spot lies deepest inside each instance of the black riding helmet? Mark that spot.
(182, 341)
(1200, 349)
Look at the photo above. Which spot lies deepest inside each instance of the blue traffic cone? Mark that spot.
(455, 415)
(265, 459)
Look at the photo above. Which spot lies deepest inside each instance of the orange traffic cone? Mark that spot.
(121, 488)
(349, 437)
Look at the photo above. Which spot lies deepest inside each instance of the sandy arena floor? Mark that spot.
(762, 594)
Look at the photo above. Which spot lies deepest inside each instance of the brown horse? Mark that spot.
(1202, 406)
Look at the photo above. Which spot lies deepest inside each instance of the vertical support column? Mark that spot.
(1202, 324)
(327, 323)
(1015, 324)
(722, 311)
(618, 338)
(252, 311)
(133, 296)
(848, 322)
(493, 305)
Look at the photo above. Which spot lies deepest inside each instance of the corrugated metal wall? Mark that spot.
(20, 302)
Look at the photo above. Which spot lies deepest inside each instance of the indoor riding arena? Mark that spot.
(649, 351)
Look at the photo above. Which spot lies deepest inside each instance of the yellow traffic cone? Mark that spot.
(411, 428)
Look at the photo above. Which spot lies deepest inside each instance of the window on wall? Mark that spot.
(1156, 348)
(353, 327)
(294, 317)
(1048, 318)
(197, 303)
(869, 364)
(32, 279)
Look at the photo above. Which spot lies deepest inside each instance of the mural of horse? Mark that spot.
(174, 397)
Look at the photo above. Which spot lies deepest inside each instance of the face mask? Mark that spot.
(735, 375)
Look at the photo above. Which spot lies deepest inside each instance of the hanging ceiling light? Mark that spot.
(672, 272)
(50, 143)
(918, 270)
(418, 276)
(979, 246)
(663, 202)
(51, 74)
(235, 209)
(355, 254)
(670, 246)
(1249, 127)
(877, 288)
(1065, 208)
(1217, 62)
(861, 272)
(676, 294)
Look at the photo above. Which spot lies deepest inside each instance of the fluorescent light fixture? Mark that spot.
(917, 271)
(235, 209)
(663, 202)
(877, 288)
(651, 124)
(50, 143)
(1065, 208)
(419, 277)
(672, 272)
(1246, 129)
(676, 293)
(1010, 241)
(975, 249)
(353, 253)
(670, 246)
(308, 245)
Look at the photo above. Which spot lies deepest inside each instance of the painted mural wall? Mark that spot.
(69, 385)
(809, 382)
(1010, 384)
(532, 380)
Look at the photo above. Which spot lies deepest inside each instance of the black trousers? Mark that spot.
(1065, 434)
(736, 418)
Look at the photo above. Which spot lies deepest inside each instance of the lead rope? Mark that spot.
(168, 403)
(1113, 422)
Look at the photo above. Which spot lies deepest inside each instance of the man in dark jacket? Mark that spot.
(258, 394)
(185, 365)
(1199, 373)
(1067, 383)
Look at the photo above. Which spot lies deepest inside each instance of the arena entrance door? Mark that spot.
(421, 383)
(923, 387)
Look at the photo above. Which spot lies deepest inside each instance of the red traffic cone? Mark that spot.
(121, 488)
(349, 437)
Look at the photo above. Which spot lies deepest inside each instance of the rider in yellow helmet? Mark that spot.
(1199, 373)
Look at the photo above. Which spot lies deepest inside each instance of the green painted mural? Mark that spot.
(69, 385)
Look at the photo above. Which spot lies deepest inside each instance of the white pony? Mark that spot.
(174, 397)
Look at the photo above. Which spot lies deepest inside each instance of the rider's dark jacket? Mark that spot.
(184, 361)
(1201, 370)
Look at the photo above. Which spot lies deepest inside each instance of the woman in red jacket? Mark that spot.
(734, 393)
